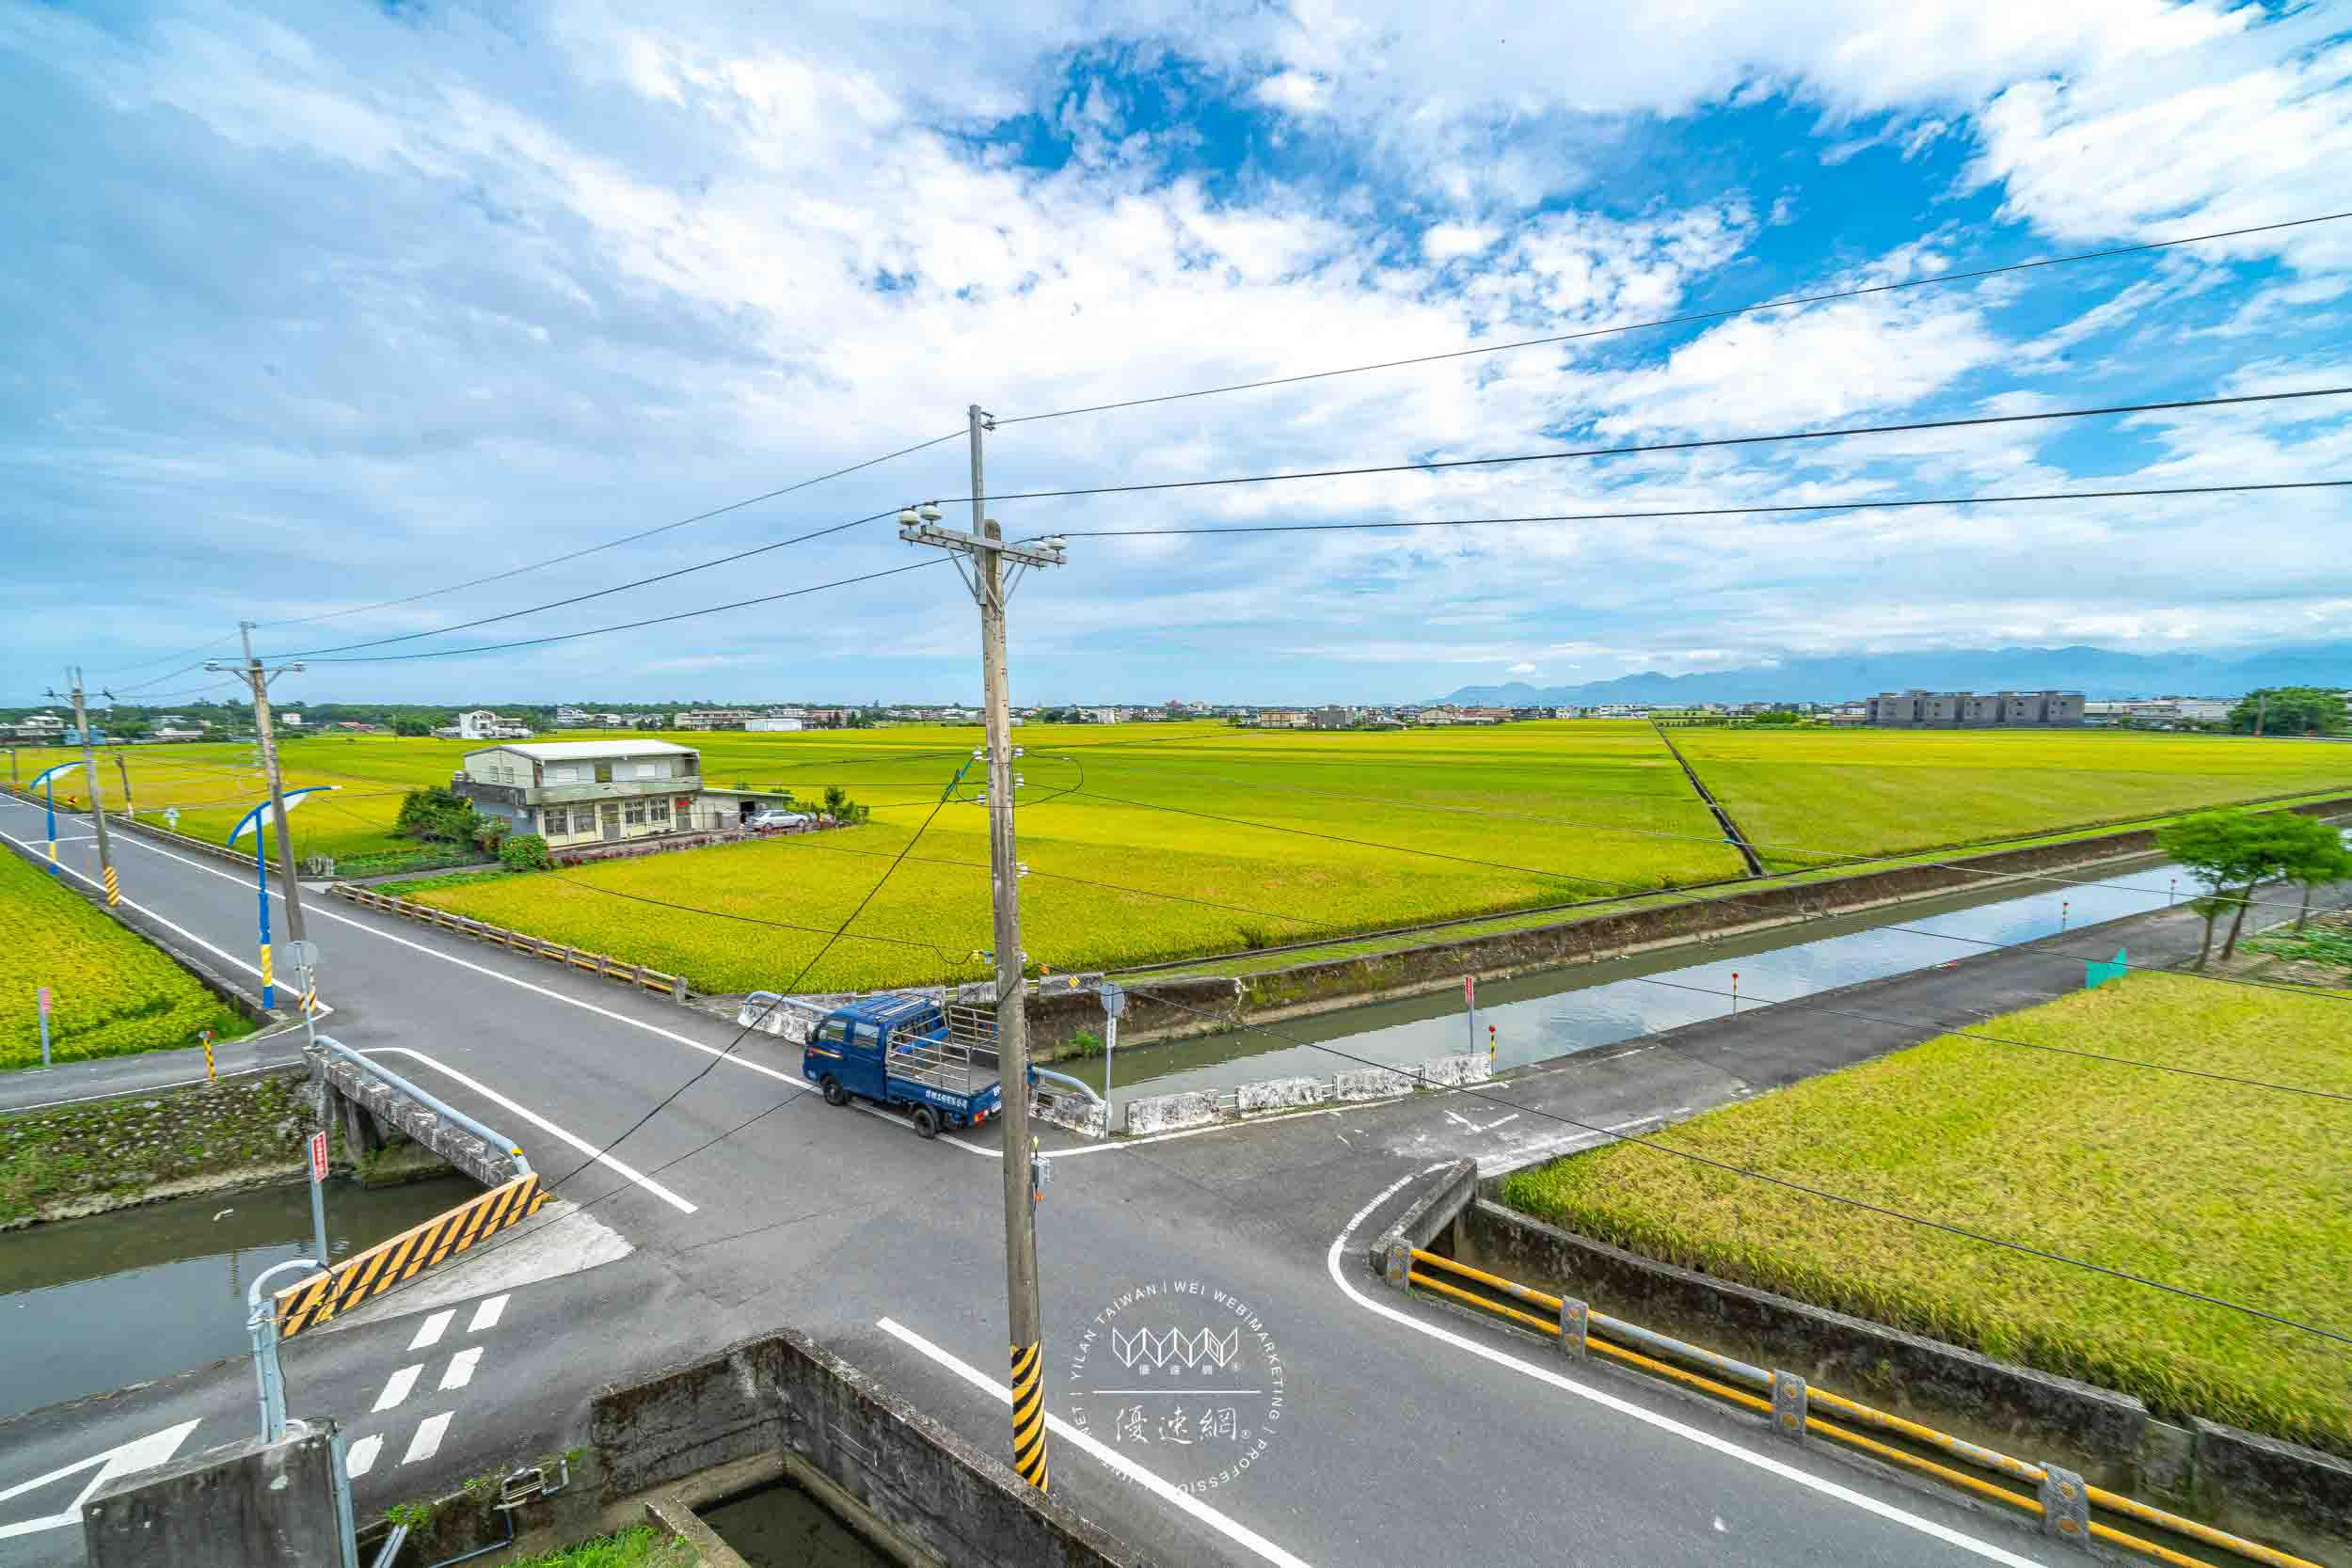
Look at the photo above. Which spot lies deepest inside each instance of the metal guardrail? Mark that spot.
(2063, 1500)
(603, 964)
(431, 1102)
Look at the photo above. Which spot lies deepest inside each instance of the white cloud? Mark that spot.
(1447, 242)
(1522, 669)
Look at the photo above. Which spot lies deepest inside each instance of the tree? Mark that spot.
(437, 814)
(2235, 852)
(2315, 857)
(412, 727)
(2290, 710)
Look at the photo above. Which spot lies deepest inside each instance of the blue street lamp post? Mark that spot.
(47, 783)
(261, 882)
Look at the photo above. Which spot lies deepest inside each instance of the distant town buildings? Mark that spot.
(482, 724)
(1975, 710)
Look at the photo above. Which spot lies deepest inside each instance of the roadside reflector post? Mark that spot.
(43, 999)
(2065, 1506)
(1790, 1405)
(1735, 990)
(1470, 1002)
(1575, 1324)
(207, 1035)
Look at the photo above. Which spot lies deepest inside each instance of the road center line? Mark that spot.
(626, 1172)
(1624, 1408)
(1118, 1463)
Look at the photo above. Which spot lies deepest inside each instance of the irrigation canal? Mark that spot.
(1557, 1012)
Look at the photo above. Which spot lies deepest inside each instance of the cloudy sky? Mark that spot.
(314, 307)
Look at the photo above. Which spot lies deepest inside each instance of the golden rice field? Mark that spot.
(1799, 795)
(113, 992)
(2241, 1192)
(1212, 839)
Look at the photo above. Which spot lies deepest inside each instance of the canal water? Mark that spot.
(91, 1304)
(1561, 1011)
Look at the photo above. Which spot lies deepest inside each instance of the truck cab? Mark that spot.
(907, 1053)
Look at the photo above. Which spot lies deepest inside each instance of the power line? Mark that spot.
(1862, 1204)
(612, 544)
(1687, 319)
(596, 593)
(1996, 1039)
(1839, 434)
(165, 658)
(1833, 858)
(744, 1032)
(1715, 511)
(631, 626)
(1635, 890)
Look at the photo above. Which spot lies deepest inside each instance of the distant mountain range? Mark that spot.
(2099, 674)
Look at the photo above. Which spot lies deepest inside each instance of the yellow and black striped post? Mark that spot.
(114, 889)
(1029, 1414)
(269, 985)
(365, 1275)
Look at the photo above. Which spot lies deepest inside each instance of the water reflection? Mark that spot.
(90, 1304)
(1541, 1015)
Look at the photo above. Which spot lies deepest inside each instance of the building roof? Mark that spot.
(575, 750)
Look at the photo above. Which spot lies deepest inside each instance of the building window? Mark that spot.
(604, 772)
(657, 811)
(635, 814)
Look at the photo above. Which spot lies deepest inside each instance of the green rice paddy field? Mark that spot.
(2239, 1191)
(1212, 838)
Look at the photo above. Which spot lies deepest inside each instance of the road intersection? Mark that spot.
(748, 1204)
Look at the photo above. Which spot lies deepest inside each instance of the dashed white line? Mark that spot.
(427, 1442)
(487, 1314)
(461, 1368)
(397, 1389)
(360, 1458)
(429, 1333)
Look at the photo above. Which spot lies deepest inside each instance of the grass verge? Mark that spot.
(2236, 1192)
(113, 992)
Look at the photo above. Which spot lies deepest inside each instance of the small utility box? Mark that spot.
(249, 1503)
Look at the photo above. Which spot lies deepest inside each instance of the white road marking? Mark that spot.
(397, 1389)
(429, 1332)
(628, 1172)
(140, 1453)
(461, 1368)
(427, 1442)
(1610, 1401)
(487, 1314)
(1458, 1117)
(360, 1458)
(178, 930)
(1499, 1121)
(1118, 1463)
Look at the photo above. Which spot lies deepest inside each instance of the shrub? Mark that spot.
(525, 853)
(490, 831)
(436, 812)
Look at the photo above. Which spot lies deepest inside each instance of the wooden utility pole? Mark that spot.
(258, 678)
(991, 584)
(122, 767)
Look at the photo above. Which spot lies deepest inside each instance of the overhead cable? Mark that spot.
(1686, 318)
(631, 626)
(614, 544)
(1836, 434)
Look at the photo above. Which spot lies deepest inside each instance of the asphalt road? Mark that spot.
(747, 1204)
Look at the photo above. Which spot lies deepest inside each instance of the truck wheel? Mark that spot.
(926, 1122)
(834, 1093)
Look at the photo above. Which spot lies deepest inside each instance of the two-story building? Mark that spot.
(578, 792)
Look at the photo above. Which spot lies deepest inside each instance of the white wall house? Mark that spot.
(580, 792)
(482, 724)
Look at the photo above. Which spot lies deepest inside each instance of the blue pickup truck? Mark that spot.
(909, 1053)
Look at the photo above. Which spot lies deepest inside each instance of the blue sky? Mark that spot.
(309, 308)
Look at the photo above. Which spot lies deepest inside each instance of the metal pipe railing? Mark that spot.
(439, 1106)
(1956, 1448)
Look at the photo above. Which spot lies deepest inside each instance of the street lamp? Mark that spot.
(261, 882)
(49, 778)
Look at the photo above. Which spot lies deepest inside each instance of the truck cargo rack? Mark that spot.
(964, 1061)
